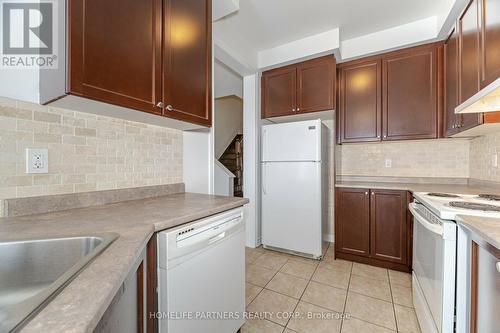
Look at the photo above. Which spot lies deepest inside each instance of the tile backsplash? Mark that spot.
(423, 158)
(482, 154)
(86, 152)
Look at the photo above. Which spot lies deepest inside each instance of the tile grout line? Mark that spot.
(309, 280)
(392, 301)
(346, 296)
(303, 292)
(264, 288)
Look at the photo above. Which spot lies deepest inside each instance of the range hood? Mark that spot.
(486, 100)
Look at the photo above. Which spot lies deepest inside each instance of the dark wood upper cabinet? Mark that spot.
(388, 234)
(188, 60)
(451, 120)
(392, 96)
(316, 85)
(360, 98)
(490, 41)
(469, 60)
(150, 55)
(410, 94)
(352, 221)
(115, 52)
(305, 87)
(468, 29)
(279, 92)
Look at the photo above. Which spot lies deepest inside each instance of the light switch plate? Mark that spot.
(388, 163)
(37, 160)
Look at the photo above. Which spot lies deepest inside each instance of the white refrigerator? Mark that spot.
(294, 187)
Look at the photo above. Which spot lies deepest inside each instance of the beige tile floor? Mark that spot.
(329, 296)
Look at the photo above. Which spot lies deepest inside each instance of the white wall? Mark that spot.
(227, 82)
(403, 35)
(228, 122)
(251, 157)
(197, 161)
(223, 180)
(310, 47)
(40, 85)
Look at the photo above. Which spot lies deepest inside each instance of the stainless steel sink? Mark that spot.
(33, 271)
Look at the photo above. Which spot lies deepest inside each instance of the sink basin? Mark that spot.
(33, 271)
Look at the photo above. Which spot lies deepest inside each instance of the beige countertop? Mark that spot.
(485, 227)
(81, 304)
(419, 187)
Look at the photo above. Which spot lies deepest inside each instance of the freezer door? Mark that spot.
(291, 206)
(298, 141)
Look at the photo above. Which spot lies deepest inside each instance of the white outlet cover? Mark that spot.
(494, 160)
(388, 163)
(37, 160)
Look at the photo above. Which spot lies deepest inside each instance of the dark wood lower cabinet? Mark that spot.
(484, 287)
(140, 297)
(388, 226)
(353, 235)
(151, 284)
(373, 227)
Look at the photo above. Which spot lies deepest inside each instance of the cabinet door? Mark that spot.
(468, 26)
(279, 91)
(360, 101)
(187, 60)
(485, 288)
(490, 41)
(316, 85)
(410, 94)
(469, 56)
(451, 84)
(115, 52)
(352, 221)
(388, 234)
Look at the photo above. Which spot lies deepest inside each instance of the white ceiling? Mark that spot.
(263, 24)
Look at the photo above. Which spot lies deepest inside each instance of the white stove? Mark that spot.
(435, 253)
(447, 206)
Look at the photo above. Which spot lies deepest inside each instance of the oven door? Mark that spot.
(434, 259)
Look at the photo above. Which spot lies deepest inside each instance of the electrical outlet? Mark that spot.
(494, 160)
(388, 163)
(37, 160)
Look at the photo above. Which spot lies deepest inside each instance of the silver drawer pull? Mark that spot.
(498, 266)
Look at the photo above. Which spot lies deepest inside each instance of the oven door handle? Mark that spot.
(437, 229)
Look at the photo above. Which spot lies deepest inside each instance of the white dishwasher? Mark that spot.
(201, 282)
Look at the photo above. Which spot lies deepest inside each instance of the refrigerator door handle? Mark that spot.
(264, 167)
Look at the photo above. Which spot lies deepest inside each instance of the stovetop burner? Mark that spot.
(474, 206)
(492, 197)
(443, 195)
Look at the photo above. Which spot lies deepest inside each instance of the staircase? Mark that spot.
(232, 158)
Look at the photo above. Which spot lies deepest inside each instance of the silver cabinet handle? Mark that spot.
(498, 266)
(298, 109)
(160, 105)
(385, 136)
(293, 110)
(169, 108)
(366, 193)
